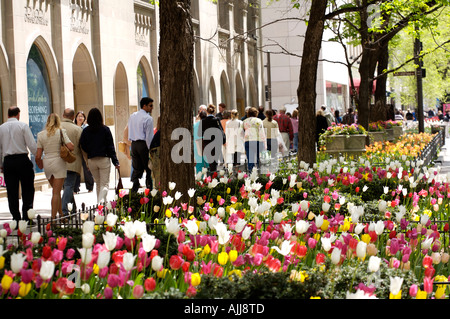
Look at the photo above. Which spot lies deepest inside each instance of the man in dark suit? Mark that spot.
(213, 137)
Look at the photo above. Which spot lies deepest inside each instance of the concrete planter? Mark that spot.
(398, 131)
(346, 143)
(390, 134)
(378, 136)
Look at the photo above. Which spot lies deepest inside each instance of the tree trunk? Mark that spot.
(307, 87)
(380, 111)
(176, 65)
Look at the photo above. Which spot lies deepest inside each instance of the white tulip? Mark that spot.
(221, 212)
(302, 226)
(326, 207)
(374, 264)
(141, 228)
(277, 217)
(379, 227)
(86, 255)
(286, 247)
(88, 240)
(128, 261)
(31, 214)
(304, 205)
(395, 285)
(424, 219)
(178, 195)
(359, 228)
(222, 233)
(47, 270)
(99, 219)
(111, 219)
(17, 261)
(192, 227)
(154, 192)
(157, 263)
(110, 240)
(3, 233)
(191, 192)
(168, 200)
(426, 244)
(241, 223)
(88, 227)
(129, 230)
(319, 221)
(326, 243)
(172, 226)
(247, 232)
(86, 288)
(103, 259)
(23, 224)
(172, 186)
(336, 256)
(361, 249)
(35, 237)
(148, 242)
(382, 206)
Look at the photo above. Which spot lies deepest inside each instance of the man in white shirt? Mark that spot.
(140, 133)
(16, 141)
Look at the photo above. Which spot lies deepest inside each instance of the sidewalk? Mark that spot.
(42, 199)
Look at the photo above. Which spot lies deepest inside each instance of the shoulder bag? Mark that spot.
(66, 154)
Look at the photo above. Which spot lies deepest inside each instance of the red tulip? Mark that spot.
(427, 261)
(320, 258)
(176, 262)
(150, 284)
(65, 286)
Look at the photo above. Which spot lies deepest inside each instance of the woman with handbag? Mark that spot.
(98, 144)
(48, 157)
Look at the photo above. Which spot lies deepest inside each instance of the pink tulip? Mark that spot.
(138, 291)
(108, 293)
(428, 284)
(413, 290)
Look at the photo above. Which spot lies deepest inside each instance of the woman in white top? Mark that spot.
(49, 145)
(235, 139)
(254, 138)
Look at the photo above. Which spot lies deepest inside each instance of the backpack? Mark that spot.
(348, 119)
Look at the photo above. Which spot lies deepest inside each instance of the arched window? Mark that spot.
(142, 83)
(39, 92)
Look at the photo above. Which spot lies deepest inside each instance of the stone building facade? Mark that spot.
(80, 54)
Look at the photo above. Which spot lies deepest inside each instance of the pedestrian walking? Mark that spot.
(294, 120)
(321, 125)
(140, 133)
(200, 161)
(254, 138)
(16, 142)
(286, 129)
(73, 169)
(98, 144)
(235, 139)
(155, 155)
(81, 121)
(213, 137)
(272, 130)
(48, 158)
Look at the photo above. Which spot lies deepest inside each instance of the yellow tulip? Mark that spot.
(206, 249)
(421, 294)
(325, 225)
(95, 269)
(397, 296)
(236, 272)
(24, 289)
(317, 297)
(440, 293)
(223, 258)
(233, 255)
(6, 282)
(168, 213)
(2, 262)
(366, 238)
(228, 190)
(219, 198)
(196, 279)
(346, 226)
(162, 273)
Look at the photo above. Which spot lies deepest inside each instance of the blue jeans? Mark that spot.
(296, 142)
(253, 149)
(69, 186)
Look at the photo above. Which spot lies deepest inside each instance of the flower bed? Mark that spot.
(336, 230)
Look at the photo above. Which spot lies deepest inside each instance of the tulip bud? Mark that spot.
(35, 237)
(445, 257)
(436, 257)
(372, 250)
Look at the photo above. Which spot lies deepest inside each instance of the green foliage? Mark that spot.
(264, 285)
